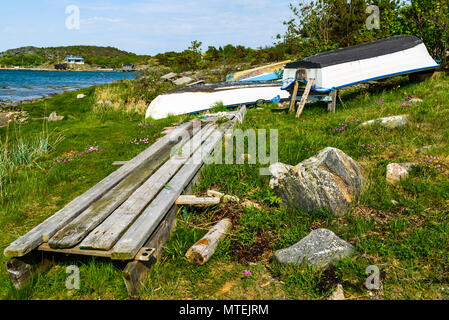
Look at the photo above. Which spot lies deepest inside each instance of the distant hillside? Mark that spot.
(93, 55)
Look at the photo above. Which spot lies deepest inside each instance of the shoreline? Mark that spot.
(48, 69)
(7, 104)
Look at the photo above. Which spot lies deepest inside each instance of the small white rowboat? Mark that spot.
(202, 97)
(368, 61)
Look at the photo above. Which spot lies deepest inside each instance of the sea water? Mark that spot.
(18, 85)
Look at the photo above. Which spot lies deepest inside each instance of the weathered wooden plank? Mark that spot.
(22, 270)
(76, 251)
(333, 103)
(293, 98)
(133, 239)
(192, 200)
(108, 232)
(203, 250)
(135, 272)
(75, 231)
(142, 228)
(50, 226)
(304, 97)
(71, 234)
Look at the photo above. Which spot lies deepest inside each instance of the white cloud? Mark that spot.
(94, 19)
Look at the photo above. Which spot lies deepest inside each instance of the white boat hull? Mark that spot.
(191, 102)
(349, 73)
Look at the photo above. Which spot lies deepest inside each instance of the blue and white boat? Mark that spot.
(360, 63)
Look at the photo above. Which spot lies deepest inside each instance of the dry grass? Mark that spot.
(110, 98)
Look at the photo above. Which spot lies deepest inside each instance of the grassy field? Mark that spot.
(404, 229)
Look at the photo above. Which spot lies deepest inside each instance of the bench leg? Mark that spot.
(22, 270)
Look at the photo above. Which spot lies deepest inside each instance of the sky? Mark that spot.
(141, 26)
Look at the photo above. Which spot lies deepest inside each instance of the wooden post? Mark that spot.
(293, 98)
(203, 250)
(332, 104)
(135, 272)
(304, 97)
(22, 270)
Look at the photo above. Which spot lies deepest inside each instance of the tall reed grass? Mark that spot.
(18, 151)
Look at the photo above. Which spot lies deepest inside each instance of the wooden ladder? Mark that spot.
(304, 97)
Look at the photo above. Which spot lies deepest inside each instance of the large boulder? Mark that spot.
(329, 180)
(320, 248)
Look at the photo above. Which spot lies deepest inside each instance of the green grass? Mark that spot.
(403, 229)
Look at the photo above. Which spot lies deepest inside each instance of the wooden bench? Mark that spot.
(127, 216)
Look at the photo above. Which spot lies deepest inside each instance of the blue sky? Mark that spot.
(142, 26)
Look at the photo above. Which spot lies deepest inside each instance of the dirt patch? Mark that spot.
(231, 210)
(226, 288)
(328, 280)
(259, 250)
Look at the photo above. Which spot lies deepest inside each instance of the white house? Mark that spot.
(74, 59)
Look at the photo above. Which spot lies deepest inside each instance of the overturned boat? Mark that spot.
(360, 63)
(269, 72)
(202, 97)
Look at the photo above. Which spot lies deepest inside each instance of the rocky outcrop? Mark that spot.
(330, 180)
(320, 248)
(13, 116)
(389, 122)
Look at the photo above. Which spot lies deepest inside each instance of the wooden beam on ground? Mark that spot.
(192, 200)
(119, 163)
(24, 269)
(108, 232)
(203, 250)
(304, 97)
(331, 105)
(49, 227)
(293, 97)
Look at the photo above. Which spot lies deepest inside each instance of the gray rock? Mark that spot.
(398, 171)
(80, 96)
(320, 248)
(389, 122)
(329, 180)
(338, 294)
(183, 80)
(169, 76)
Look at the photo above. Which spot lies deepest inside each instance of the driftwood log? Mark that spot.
(201, 251)
(192, 200)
